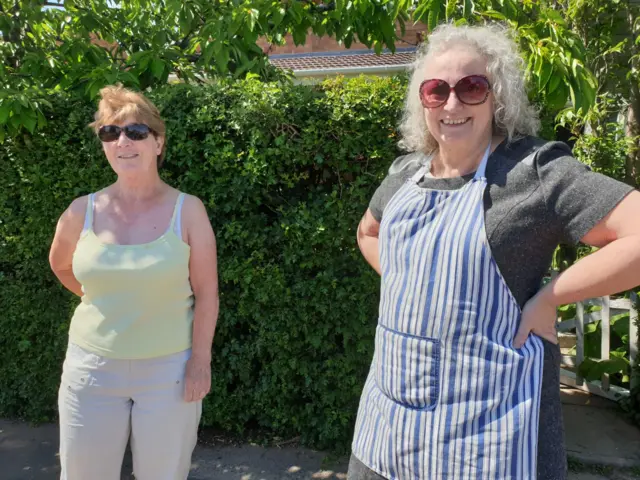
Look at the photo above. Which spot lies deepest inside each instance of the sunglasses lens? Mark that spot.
(434, 93)
(109, 133)
(472, 90)
(137, 131)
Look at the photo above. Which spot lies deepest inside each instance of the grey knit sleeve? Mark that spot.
(400, 170)
(577, 197)
(387, 189)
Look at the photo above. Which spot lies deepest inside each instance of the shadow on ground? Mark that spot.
(602, 443)
(31, 453)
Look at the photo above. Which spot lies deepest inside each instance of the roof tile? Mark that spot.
(343, 61)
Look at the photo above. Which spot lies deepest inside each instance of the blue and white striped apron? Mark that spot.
(447, 396)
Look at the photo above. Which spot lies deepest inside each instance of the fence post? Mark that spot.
(633, 339)
(605, 338)
(579, 341)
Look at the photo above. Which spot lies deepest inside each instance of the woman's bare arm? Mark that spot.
(64, 242)
(368, 230)
(203, 273)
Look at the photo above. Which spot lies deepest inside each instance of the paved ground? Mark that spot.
(30, 453)
(596, 434)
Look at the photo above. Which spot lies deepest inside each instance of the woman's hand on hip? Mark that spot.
(197, 379)
(539, 316)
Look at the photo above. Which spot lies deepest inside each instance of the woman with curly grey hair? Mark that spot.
(464, 381)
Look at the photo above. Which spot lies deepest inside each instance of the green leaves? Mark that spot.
(21, 109)
(222, 60)
(544, 70)
(430, 12)
(556, 62)
(157, 67)
(592, 369)
(142, 42)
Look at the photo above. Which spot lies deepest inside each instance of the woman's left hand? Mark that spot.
(539, 316)
(197, 379)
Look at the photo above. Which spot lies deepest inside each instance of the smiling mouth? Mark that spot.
(461, 121)
(128, 157)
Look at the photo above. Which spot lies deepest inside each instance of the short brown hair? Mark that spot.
(118, 103)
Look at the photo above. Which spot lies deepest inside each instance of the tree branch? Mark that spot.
(324, 7)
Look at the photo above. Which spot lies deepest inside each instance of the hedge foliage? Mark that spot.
(286, 173)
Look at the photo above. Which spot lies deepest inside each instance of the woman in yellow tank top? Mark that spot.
(142, 258)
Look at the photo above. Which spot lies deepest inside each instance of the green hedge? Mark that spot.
(286, 173)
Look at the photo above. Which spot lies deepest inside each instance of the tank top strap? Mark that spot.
(88, 215)
(176, 218)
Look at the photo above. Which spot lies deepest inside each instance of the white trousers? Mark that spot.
(103, 402)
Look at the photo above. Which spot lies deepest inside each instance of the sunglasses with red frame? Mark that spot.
(470, 90)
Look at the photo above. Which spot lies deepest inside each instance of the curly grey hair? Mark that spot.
(513, 117)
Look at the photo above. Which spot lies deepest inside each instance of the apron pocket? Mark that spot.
(407, 368)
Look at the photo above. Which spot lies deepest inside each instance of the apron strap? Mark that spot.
(422, 171)
(480, 172)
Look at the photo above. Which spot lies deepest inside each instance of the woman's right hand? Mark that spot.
(539, 316)
(64, 242)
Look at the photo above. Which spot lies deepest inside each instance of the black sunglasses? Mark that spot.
(470, 90)
(133, 131)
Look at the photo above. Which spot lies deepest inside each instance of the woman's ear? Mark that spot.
(159, 145)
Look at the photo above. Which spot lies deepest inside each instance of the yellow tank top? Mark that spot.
(137, 300)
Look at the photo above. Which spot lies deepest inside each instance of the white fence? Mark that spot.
(610, 308)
